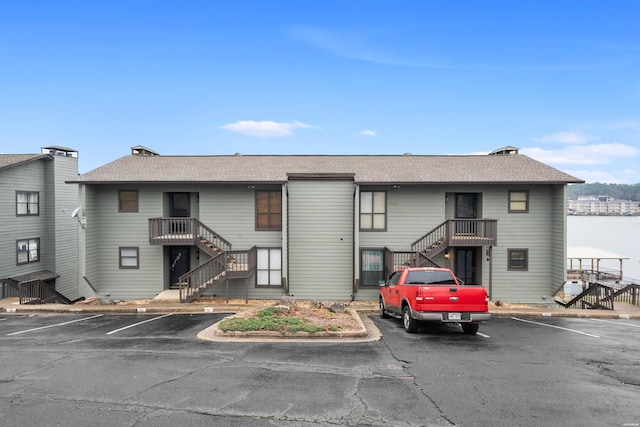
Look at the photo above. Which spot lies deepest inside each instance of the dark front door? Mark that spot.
(179, 208)
(465, 262)
(179, 262)
(179, 205)
(466, 209)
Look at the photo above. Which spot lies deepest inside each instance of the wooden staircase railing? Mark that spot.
(434, 242)
(36, 292)
(629, 294)
(193, 283)
(221, 267)
(596, 296)
(224, 264)
(457, 232)
(186, 231)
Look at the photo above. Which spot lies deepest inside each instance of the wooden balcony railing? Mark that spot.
(186, 231)
(457, 232)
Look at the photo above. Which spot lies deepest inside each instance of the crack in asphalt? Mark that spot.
(405, 367)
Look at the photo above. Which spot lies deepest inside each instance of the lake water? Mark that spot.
(619, 234)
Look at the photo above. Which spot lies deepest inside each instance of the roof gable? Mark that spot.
(11, 160)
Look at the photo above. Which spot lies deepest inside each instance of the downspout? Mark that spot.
(490, 259)
(356, 239)
(285, 238)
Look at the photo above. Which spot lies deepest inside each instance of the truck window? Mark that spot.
(430, 278)
(395, 277)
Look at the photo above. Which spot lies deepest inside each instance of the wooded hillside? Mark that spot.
(617, 191)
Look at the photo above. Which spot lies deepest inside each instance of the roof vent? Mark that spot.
(407, 154)
(504, 151)
(139, 150)
(238, 154)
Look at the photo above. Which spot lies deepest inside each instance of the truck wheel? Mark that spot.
(410, 324)
(470, 328)
(383, 313)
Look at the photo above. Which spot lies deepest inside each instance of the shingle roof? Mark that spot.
(515, 168)
(9, 160)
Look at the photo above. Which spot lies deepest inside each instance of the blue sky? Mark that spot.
(558, 79)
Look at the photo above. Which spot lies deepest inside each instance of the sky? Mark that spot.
(560, 80)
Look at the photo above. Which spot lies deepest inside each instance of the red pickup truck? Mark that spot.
(433, 295)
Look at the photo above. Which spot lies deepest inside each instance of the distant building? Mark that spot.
(602, 205)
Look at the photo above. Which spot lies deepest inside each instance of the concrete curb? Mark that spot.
(367, 331)
(191, 308)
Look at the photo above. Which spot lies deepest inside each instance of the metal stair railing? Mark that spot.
(39, 292)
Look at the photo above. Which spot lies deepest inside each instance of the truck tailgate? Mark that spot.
(447, 298)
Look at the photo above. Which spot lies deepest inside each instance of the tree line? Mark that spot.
(617, 191)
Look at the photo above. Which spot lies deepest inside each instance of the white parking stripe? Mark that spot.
(557, 327)
(483, 335)
(139, 323)
(57, 324)
(616, 323)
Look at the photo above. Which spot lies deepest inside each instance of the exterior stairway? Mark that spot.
(451, 233)
(224, 264)
(35, 292)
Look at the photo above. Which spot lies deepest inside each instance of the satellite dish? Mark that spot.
(74, 214)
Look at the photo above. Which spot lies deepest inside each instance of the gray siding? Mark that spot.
(411, 213)
(64, 231)
(228, 210)
(26, 177)
(558, 238)
(107, 230)
(532, 231)
(414, 211)
(321, 239)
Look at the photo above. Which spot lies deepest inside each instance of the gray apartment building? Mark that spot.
(311, 226)
(40, 239)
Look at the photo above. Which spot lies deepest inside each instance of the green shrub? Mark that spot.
(267, 320)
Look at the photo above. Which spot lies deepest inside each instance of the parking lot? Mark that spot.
(99, 369)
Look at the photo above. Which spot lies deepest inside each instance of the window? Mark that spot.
(28, 250)
(518, 259)
(373, 207)
(518, 201)
(27, 203)
(269, 267)
(268, 210)
(128, 201)
(372, 266)
(129, 257)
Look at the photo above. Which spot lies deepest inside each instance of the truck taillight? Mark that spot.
(419, 295)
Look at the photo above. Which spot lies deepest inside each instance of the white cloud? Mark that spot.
(628, 176)
(633, 125)
(265, 129)
(367, 133)
(563, 137)
(595, 154)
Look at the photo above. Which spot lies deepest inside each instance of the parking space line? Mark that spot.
(483, 335)
(57, 324)
(554, 326)
(616, 323)
(139, 323)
